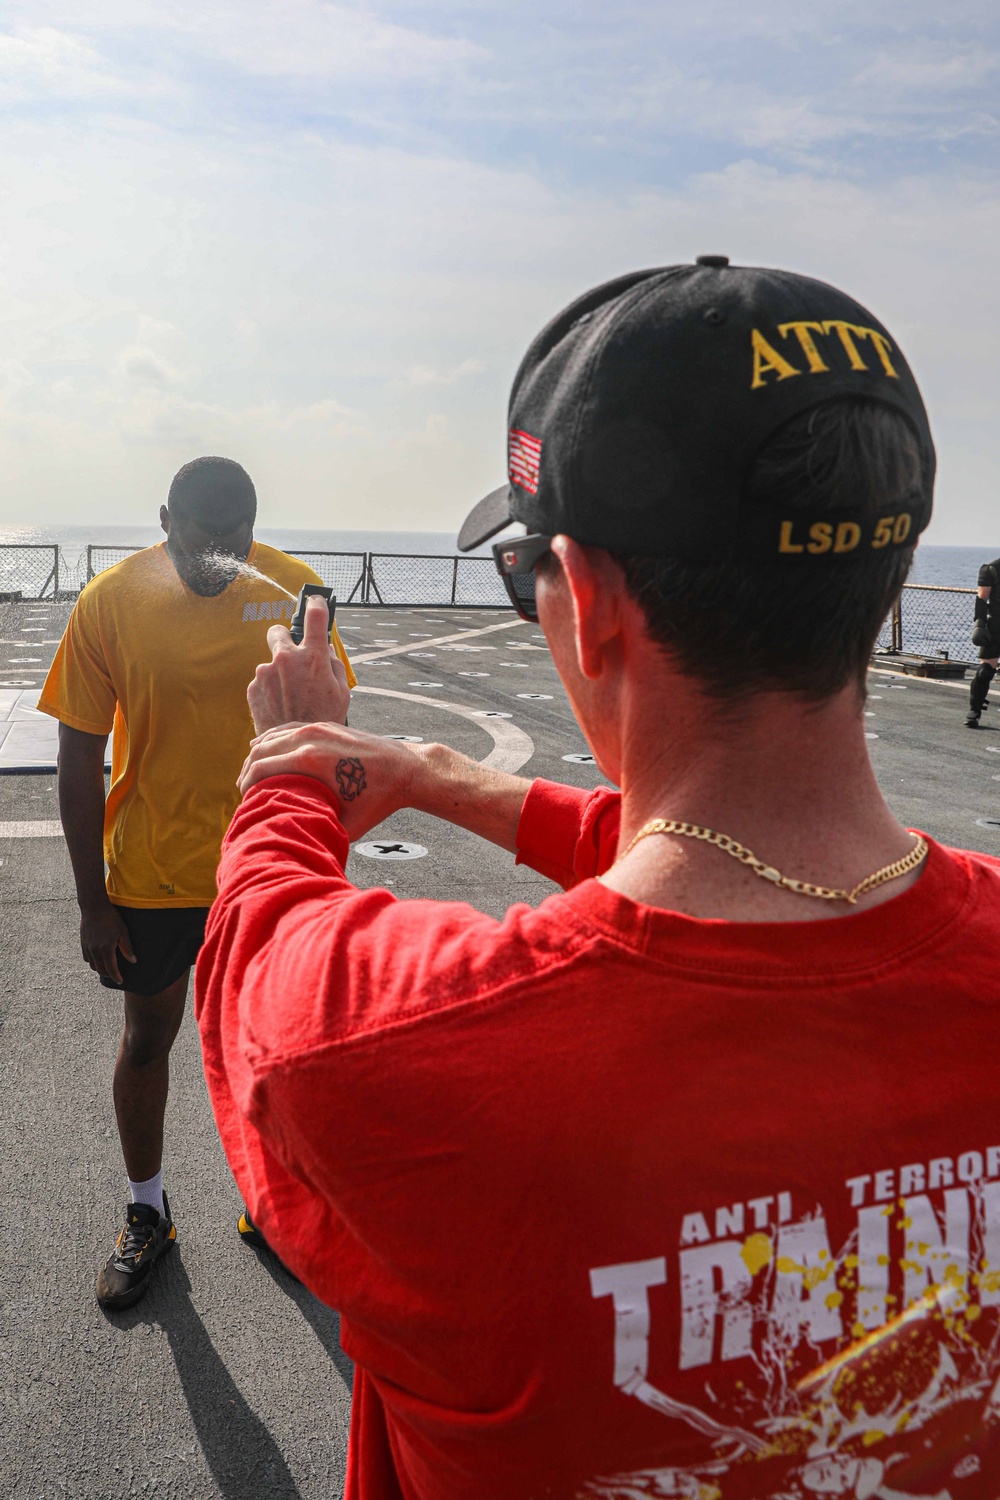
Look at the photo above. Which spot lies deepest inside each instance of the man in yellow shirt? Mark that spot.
(161, 648)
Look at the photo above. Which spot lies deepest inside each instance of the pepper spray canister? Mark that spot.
(298, 624)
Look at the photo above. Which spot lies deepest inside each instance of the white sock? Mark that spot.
(150, 1191)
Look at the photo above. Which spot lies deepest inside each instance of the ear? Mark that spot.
(164, 520)
(594, 583)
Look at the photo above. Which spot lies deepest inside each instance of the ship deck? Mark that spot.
(228, 1380)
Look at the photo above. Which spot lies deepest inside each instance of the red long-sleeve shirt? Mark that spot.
(613, 1201)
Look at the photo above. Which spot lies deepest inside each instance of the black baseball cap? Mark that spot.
(637, 413)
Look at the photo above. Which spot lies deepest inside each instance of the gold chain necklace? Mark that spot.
(768, 872)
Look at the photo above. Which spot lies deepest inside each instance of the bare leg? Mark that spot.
(142, 1075)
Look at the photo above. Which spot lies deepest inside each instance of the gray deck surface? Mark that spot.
(228, 1380)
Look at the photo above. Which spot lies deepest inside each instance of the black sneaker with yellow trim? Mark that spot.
(146, 1236)
(252, 1236)
(249, 1233)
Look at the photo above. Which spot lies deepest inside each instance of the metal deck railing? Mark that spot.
(929, 620)
(30, 570)
(379, 578)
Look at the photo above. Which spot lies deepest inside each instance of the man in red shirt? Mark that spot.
(686, 1184)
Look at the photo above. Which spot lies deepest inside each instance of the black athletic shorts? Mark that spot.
(165, 941)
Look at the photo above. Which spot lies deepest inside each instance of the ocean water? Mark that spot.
(950, 567)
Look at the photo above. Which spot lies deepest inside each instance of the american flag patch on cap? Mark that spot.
(525, 457)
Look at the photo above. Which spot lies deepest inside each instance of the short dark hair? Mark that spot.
(806, 628)
(218, 493)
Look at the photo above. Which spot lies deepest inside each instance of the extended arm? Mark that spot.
(451, 786)
(372, 777)
(375, 777)
(81, 807)
(572, 837)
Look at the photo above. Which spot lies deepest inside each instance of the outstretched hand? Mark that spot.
(300, 683)
(373, 777)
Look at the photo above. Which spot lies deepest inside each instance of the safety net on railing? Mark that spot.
(29, 569)
(417, 579)
(99, 559)
(478, 582)
(931, 621)
(378, 578)
(344, 572)
(400, 579)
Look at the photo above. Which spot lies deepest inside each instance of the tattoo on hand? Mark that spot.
(351, 778)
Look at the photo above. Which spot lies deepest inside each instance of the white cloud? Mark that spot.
(777, 76)
(918, 73)
(142, 367)
(304, 39)
(426, 375)
(329, 253)
(335, 356)
(42, 61)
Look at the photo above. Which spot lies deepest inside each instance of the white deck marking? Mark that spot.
(443, 640)
(29, 739)
(40, 829)
(389, 849)
(512, 748)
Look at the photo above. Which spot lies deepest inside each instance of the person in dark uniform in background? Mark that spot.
(985, 635)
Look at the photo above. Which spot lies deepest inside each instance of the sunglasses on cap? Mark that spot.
(516, 559)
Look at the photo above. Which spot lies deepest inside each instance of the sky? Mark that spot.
(318, 237)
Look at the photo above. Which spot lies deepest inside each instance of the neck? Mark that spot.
(790, 781)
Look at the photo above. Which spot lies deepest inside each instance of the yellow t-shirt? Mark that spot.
(168, 670)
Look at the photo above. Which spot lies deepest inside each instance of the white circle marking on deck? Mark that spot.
(408, 739)
(390, 849)
(535, 695)
(512, 748)
(425, 684)
(580, 759)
